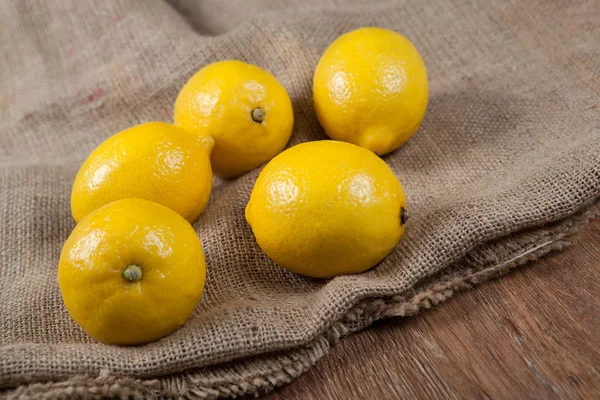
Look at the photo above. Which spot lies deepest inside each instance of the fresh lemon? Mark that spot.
(327, 208)
(370, 88)
(131, 272)
(154, 161)
(243, 107)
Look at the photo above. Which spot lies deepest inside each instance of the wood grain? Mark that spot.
(531, 334)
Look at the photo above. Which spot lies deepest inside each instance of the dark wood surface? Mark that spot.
(534, 333)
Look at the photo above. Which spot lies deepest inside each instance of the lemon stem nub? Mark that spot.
(133, 273)
(403, 215)
(258, 115)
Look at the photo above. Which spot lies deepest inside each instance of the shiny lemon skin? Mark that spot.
(370, 88)
(154, 161)
(219, 101)
(326, 208)
(112, 309)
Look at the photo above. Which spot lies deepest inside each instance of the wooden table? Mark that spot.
(534, 333)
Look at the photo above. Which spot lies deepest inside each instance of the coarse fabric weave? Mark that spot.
(504, 168)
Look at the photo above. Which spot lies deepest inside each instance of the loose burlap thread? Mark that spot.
(505, 167)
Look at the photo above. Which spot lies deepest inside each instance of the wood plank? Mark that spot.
(531, 334)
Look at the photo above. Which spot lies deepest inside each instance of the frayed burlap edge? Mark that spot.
(261, 374)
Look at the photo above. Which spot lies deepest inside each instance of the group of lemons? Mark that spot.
(133, 269)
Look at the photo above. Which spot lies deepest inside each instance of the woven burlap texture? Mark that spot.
(504, 168)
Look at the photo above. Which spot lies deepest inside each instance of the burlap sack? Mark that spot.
(503, 169)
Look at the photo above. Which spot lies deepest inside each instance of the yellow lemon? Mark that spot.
(131, 272)
(370, 88)
(154, 161)
(243, 107)
(327, 208)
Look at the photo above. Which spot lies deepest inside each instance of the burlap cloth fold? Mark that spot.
(505, 167)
